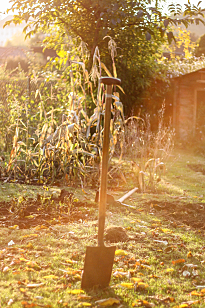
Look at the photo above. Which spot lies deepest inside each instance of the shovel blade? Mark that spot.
(98, 266)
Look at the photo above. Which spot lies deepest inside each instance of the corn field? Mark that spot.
(54, 133)
(52, 129)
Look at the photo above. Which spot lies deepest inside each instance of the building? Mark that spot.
(189, 104)
(12, 52)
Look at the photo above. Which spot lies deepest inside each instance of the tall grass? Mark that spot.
(149, 150)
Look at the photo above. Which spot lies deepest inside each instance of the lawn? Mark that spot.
(160, 254)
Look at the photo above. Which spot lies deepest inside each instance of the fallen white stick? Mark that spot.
(123, 198)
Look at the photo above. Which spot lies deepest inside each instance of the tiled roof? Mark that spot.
(202, 70)
(6, 52)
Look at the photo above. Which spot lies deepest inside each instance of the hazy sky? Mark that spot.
(186, 1)
(4, 4)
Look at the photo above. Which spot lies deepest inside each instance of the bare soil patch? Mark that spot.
(197, 168)
(190, 214)
(33, 212)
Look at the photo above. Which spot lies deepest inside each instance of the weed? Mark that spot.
(148, 150)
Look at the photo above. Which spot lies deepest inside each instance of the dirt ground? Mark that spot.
(190, 214)
(33, 212)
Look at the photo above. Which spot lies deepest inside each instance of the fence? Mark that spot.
(27, 85)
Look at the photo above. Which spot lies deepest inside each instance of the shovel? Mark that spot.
(99, 260)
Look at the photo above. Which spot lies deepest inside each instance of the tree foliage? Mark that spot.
(200, 49)
(92, 20)
(138, 28)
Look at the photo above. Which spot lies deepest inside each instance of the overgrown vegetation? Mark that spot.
(53, 133)
(56, 134)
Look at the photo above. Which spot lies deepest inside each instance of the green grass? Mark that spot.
(44, 265)
(148, 257)
(181, 178)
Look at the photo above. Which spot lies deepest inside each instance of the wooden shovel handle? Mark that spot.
(105, 157)
(110, 81)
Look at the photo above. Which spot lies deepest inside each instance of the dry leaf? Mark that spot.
(107, 302)
(189, 266)
(146, 267)
(195, 273)
(29, 269)
(141, 286)
(166, 230)
(14, 227)
(168, 299)
(188, 304)
(41, 227)
(5, 269)
(10, 302)
(140, 303)
(120, 252)
(33, 265)
(71, 261)
(161, 242)
(178, 261)
(195, 293)
(147, 304)
(189, 254)
(84, 304)
(135, 279)
(120, 274)
(75, 291)
(84, 297)
(29, 235)
(137, 303)
(50, 277)
(186, 274)
(169, 270)
(154, 276)
(128, 285)
(16, 272)
(27, 305)
(34, 285)
(29, 246)
(23, 260)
